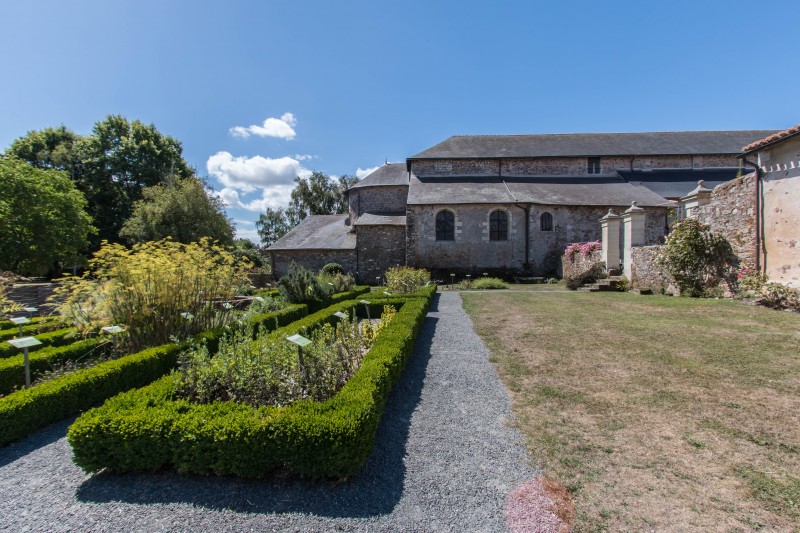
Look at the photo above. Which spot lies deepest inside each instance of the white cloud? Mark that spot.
(250, 173)
(248, 234)
(282, 128)
(362, 173)
(304, 157)
(274, 197)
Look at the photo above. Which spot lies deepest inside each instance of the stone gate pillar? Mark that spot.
(699, 197)
(633, 223)
(609, 226)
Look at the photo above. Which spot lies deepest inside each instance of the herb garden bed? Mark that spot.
(148, 428)
(27, 410)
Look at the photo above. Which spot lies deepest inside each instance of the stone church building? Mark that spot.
(509, 204)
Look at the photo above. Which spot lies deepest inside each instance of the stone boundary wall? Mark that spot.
(732, 214)
(580, 264)
(646, 274)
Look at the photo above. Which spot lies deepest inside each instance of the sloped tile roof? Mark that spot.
(381, 219)
(593, 144)
(387, 175)
(775, 137)
(598, 191)
(318, 232)
(677, 182)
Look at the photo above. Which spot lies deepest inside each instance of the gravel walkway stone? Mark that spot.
(445, 460)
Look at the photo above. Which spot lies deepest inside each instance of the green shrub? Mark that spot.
(337, 282)
(266, 304)
(332, 268)
(148, 429)
(25, 411)
(300, 285)
(489, 283)
(405, 280)
(695, 257)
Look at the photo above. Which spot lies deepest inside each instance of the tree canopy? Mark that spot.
(111, 166)
(45, 223)
(316, 195)
(181, 209)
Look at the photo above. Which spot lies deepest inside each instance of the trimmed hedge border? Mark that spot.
(358, 290)
(145, 429)
(7, 324)
(12, 369)
(27, 410)
(59, 337)
(425, 292)
(34, 329)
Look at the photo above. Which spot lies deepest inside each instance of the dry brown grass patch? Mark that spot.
(655, 413)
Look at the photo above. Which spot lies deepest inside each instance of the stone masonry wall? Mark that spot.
(556, 166)
(386, 199)
(472, 251)
(579, 264)
(646, 274)
(312, 259)
(379, 247)
(732, 214)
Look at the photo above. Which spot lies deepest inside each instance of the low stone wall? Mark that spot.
(732, 214)
(579, 264)
(311, 259)
(646, 274)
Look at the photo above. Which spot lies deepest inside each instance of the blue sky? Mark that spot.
(349, 85)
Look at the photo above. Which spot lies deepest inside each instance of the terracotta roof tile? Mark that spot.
(772, 138)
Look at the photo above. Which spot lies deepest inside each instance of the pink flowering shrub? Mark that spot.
(584, 248)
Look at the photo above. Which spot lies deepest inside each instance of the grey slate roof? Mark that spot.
(381, 219)
(678, 182)
(593, 144)
(387, 175)
(602, 191)
(318, 232)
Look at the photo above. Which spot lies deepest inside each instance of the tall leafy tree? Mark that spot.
(272, 225)
(111, 166)
(181, 209)
(44, 220)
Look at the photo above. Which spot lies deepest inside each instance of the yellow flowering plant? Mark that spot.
(157, 290)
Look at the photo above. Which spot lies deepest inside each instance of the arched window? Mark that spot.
(498, 226)
(445, 226)
(546, 222)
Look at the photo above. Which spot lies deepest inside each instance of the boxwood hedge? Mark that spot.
(147, 429)
(59, 337)
(12, 369)
(27, 410)
(32, 329)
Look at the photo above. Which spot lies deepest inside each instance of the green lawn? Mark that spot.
(655, 412)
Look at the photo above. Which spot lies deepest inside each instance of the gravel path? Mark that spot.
(445, 460)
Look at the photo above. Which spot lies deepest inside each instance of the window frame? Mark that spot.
(593, 165)
(442, 233)
(498, 229)
(548, 218)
